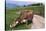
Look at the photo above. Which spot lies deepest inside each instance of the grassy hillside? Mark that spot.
(12, 14)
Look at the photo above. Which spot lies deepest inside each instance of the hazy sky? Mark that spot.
(22, 2)
(18, 2)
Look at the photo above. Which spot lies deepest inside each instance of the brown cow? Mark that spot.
(25, 16)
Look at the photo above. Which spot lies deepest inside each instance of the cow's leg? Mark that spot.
(26, 23)
(14, 24)
(29, 21)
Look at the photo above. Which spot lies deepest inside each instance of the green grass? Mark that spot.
(11, 15)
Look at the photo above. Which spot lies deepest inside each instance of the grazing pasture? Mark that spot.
(12, 14)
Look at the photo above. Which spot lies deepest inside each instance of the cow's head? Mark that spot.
(27, 14)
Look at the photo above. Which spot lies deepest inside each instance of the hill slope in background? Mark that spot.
(10, 5)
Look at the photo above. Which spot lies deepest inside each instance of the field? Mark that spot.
(12, 14)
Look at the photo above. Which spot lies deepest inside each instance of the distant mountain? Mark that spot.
(11, 5)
